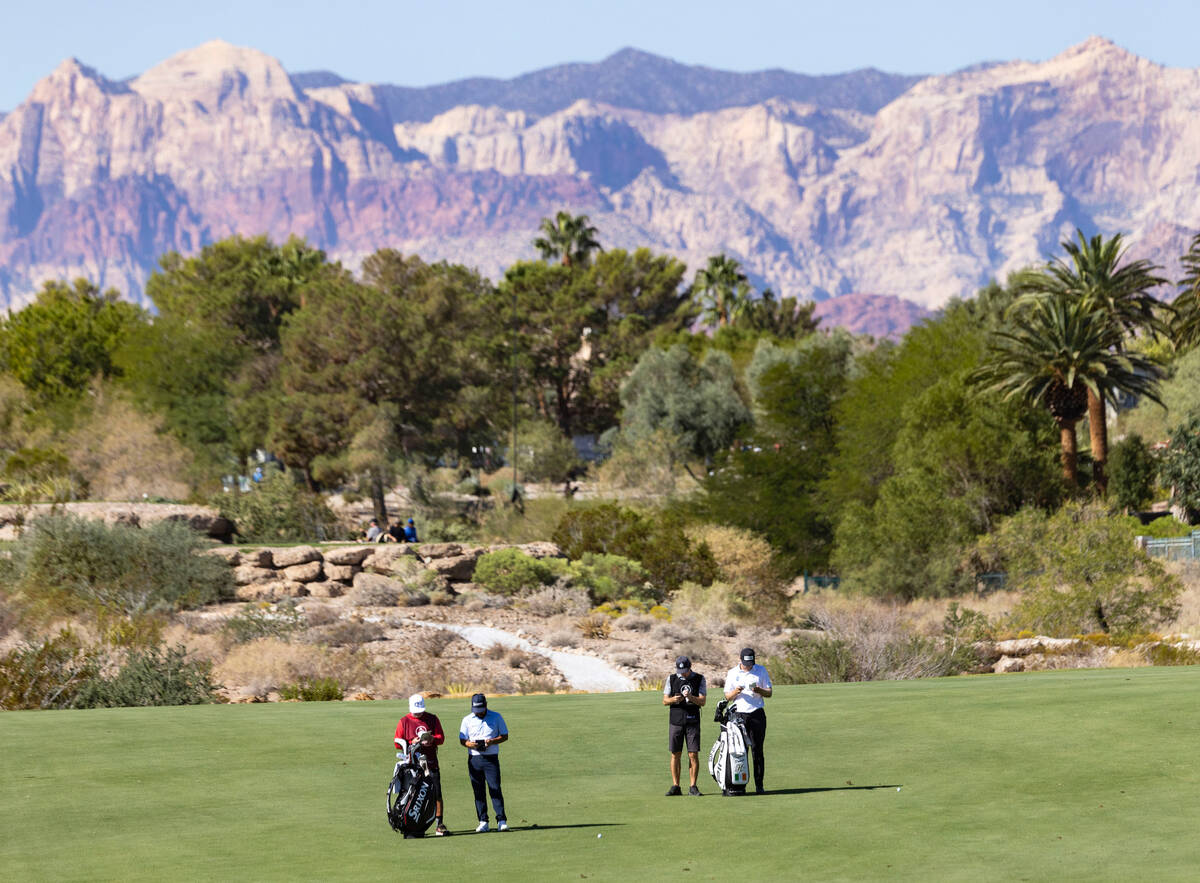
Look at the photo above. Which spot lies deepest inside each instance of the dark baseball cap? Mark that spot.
(478, 701)
(748, 654)
(682, 663)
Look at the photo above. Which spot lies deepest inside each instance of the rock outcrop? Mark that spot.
(820, 190)
(402, 572)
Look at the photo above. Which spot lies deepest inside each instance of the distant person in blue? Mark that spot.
(410, 532)
(481, 733)
(258, 474)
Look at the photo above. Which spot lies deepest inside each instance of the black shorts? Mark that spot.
(435, 778)
(676, 733)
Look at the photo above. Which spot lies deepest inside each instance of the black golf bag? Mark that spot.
(411, 796)
(729, 760)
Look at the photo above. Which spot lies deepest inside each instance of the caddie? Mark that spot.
(685, 693)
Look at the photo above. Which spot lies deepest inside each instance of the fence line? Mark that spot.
(1172, 548)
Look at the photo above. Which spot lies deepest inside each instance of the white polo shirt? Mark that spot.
(747, 702)
(489, 726)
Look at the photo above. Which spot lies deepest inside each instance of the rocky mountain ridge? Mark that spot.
(865, 183)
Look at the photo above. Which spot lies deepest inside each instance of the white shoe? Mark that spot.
(482, 829)
(502, 826)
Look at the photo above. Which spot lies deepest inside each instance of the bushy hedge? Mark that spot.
(279, 509)
(63, 672)
(65, 564)
(508, 571)
(659, 544)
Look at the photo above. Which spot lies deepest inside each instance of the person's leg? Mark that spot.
(693, 750)
(757, 724)
(475, 768)
(493, 782)
(436, 777)
(675, 767)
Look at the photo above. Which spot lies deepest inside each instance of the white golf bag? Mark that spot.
(729, 760)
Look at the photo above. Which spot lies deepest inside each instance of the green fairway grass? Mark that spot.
(1053, 776)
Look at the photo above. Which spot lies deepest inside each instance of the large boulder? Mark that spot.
(290, 557)
(340, 572)
(429, 551)
(228, 554)
(541, 550)
(1008, 663)
(248, 574)
(325, 589)
(347, 555)
(390, 558)
(304, 573)
(271, 591)
(258, 557)
(458, 568)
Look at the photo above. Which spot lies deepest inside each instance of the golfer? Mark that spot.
(685, 693)
(422, 731)
(481, 733)
(746, 686)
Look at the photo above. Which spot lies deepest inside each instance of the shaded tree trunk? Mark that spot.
(378, 503)
(1069, 455)
(1098, 433)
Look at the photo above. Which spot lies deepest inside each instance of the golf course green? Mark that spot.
(1051, 776)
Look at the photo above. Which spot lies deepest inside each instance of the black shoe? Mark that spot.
(759, 789)
(694, 791)
(673, 791)
(725, 792)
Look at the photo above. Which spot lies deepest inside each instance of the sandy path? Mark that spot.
(587, 673)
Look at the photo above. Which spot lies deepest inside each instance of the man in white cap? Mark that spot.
(481, 733)
(746, 686)
(422, 731)
(684, 692)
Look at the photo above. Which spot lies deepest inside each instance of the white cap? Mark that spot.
(416, 703)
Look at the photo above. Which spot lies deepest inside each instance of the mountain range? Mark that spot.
(902, 191)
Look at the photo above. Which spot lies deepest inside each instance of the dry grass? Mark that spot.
(554, 601)
(594, 625)
(1189, 601)
(400, 682)
(269, 663)
(562, 638)
(433, 642)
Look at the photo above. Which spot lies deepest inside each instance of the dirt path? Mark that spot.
(583, 672)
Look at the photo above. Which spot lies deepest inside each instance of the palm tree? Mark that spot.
(723, 289)
(1119, 292)
(567, 237)
(1059, 351)
(1185, 328)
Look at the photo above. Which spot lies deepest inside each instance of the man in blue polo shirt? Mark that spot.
(481, 733)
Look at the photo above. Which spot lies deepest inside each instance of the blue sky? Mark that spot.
(417, 43)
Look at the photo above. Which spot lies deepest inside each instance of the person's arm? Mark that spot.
(701, 695)
(668, 699)
(765, 687)
(439, 737)
(735, 691)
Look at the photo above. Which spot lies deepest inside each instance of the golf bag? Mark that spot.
(729, 760)
(411, 795)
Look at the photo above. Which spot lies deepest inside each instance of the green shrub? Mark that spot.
(279, 509)
(814, 661)
(64, 564)
(1172, 654)
(252, 622)
(153, 676)
(317, 690)
(1080, 572)
(508, 571)
(1132, 471)
(658, 543)
(1167, 526)
(48, 673)
(611, 577)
